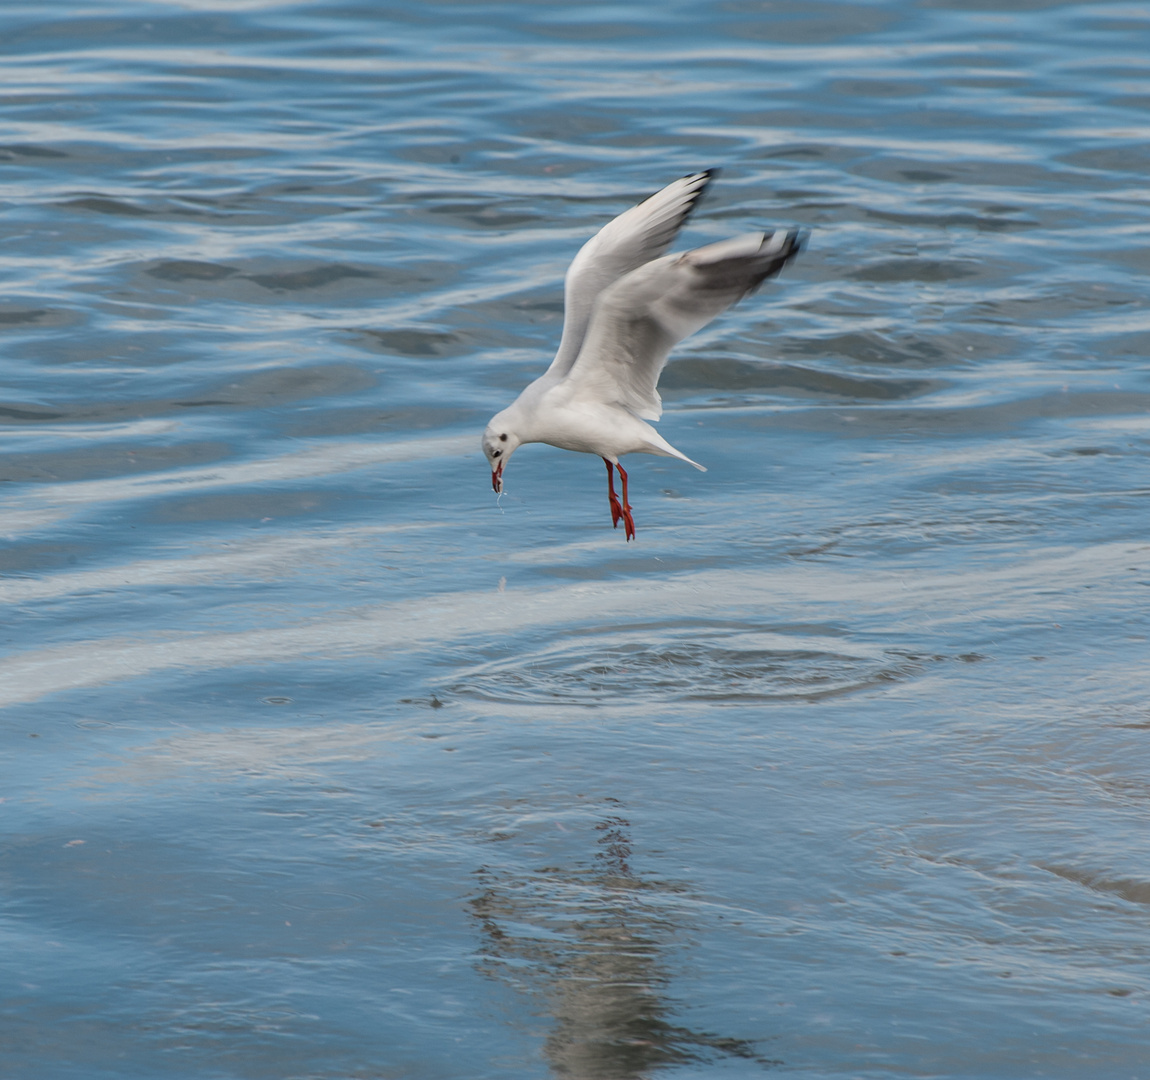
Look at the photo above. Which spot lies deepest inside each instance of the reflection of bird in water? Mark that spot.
(589, 940)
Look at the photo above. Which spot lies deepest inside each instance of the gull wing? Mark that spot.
(633, 238)
(637, 320)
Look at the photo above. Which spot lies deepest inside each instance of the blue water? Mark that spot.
(321, 762)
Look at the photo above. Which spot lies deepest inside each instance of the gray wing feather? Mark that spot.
(639, 318)
(633, 238)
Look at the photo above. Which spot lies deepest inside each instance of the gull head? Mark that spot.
(499, 443)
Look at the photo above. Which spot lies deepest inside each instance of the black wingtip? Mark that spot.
(796, 240)
(708, 176)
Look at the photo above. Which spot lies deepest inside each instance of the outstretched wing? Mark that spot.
(642, 316)
(633, 238)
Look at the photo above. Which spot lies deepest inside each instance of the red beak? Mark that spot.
(497, 479)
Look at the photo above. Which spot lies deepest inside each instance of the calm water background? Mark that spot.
(318, 763)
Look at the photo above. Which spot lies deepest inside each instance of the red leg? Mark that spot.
(616, 509)
(628, 520)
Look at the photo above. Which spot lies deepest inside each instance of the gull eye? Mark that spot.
(503, 438)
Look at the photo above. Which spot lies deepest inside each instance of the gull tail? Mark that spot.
(660, 446)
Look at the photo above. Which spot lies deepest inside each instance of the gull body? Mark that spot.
(626, 304)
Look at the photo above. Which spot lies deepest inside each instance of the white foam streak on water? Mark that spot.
(262, 558)
(16, 440)
(920, 603)
(30, 513)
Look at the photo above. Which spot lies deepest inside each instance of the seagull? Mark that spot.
(626, 304)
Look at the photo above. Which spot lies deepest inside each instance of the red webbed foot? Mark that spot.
(628, 520)
(628, 524)
(620, 511)
(616, 506)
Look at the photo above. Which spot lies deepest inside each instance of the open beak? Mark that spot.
(497, 479)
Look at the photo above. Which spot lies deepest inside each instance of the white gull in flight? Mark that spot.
(626, 304)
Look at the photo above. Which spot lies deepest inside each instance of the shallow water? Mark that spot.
(320, 761)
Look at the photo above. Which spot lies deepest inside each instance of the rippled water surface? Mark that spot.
(321, 762)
